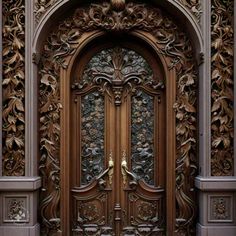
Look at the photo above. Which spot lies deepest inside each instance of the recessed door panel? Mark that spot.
(117, 185)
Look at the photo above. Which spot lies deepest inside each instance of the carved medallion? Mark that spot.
(17, 211)
(221, 208)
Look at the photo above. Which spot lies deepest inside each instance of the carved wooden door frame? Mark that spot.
(61, 49)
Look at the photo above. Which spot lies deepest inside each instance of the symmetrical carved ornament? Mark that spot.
(195, 7)
(16, 210)
(13, 116)
(41, 7)
(172, 43)
(220, 209)
(222, 120)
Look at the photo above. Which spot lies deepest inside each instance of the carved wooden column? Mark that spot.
(18, 182)
(216, 180)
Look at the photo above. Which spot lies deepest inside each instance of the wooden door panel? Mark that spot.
(92, 210)
(119, 141)
(145, 208)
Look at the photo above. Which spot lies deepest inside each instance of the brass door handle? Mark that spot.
(109, 171)
(111, 168)
(124, 168)
(125, 171)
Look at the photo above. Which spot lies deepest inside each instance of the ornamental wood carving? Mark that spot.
(173, 44)
(13, 115)
(222, 117)
(195, 7)
(41, 7)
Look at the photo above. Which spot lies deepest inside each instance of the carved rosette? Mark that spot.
(222, 117)
(41, 7)
(172, 43)
(17, 211)
(194, 6)
(13, 116)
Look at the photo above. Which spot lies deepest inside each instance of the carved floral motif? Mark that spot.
(222, 127)
(221, 208)
(171, 43)
(13, 115)
(146, 211)
(220, 211)
(89, 212)
(41, 7)
(16, 210)
(195, 7)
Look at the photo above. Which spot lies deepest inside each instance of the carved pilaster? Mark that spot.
(13, 87)
(222, 122)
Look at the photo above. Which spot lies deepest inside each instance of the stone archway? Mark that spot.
(62, 45)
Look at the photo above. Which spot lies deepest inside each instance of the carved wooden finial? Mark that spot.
(118, 5)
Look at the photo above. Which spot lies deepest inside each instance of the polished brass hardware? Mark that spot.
(124, 167)
(111, 168)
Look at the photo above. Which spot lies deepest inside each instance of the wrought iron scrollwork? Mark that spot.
(117, 72)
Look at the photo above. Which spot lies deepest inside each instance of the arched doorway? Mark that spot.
(118, 140)
(165, 192)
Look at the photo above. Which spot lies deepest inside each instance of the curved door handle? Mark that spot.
(111, 168)
(109, 171)
(125, 171)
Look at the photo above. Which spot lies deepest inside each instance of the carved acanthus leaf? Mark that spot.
(13, 88)
(222, 121)
(102, 16)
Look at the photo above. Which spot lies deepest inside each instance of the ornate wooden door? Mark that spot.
(118, 143)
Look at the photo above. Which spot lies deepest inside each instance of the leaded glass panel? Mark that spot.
(92, 136)
(142, 136)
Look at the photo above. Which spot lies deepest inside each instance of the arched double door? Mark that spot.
(118, 141)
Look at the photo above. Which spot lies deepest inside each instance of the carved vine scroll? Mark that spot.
(195, 7)
(41, 7)
(13, 116)
(222, 120)
(173, 44)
